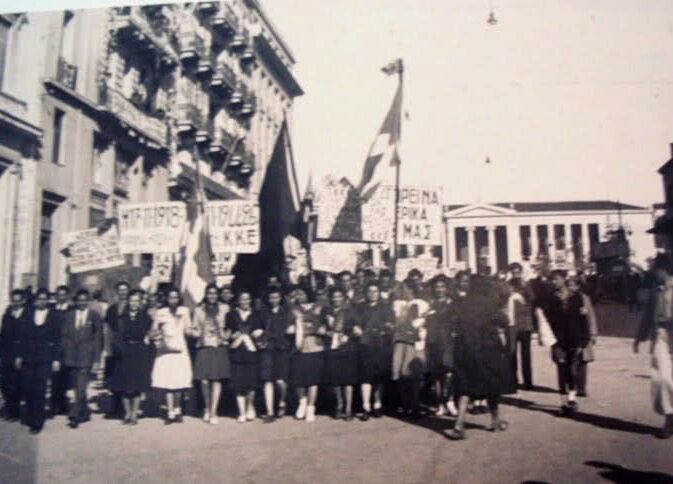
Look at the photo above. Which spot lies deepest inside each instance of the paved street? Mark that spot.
(613, 429)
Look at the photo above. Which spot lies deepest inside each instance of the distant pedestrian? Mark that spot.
(111, 345)
(81, 343)
(588, 354)
(172, 370)
(307, 367)
(342, 370)
(564, 310)
(520, 315)
(375, 323)
(59, 379)
(212, 365)
(245, 327)
(657, 327)
(130, 376)
(481, 358)
(17, 315)
(38, 357)
(278, 341)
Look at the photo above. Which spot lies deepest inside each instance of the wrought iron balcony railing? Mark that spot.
(148, 125)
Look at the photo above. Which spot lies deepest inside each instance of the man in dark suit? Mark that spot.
(112, 344)
(81, 342)
(38, 355)
(10, 379)
(59, 379)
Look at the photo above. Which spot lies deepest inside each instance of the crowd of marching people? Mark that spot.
(449, 346)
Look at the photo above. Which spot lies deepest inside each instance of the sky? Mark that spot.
(569, 99)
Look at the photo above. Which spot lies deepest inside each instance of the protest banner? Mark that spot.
(329, 201)
(335, 257)
(233, 226)
(162, 267)
(420, 216)
(378, 215)
(151, 228)
(93, 249)
(223, 263)
(427, 265)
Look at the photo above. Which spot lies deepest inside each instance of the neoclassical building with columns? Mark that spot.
(495, 235)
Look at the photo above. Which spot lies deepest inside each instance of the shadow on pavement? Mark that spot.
(18, 453)
(601, 421)
(439, 425)
(621, 475)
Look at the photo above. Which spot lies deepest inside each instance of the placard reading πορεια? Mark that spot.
(151, 228)
(233, 226)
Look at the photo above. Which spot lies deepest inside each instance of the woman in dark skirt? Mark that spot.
(307, 369)
(482, 366)
(440, 347)
(212, 355)
(278, 341)
(342, 369)
(131, 376)
(374, 325)
(245, 326)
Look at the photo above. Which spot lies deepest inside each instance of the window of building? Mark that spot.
(56, 148)
(5, 27)
(46, 229)
(96, 216)
(68, 37)
(97, 171)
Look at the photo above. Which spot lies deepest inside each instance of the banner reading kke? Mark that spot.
(233, 226)
(151, 228)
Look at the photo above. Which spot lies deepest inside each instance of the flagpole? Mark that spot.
(400, 73)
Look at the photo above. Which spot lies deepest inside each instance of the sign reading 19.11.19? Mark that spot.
(420, 216)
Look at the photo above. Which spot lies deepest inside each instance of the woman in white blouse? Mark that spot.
(172, 370)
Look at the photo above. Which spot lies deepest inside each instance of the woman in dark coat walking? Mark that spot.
(131, 375)
(482, 368)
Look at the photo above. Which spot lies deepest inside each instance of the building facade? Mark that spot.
(130, 105)
(494, 235)
(663, 224)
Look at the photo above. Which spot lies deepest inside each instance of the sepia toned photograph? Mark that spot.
(297, 241)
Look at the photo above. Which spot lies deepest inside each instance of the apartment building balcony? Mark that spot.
(249, 106)
(248, 56)
(224, 21)
(223, 142)
(240, 41)
(223, 80)
(192, 47)
(237, 98)
(207, 8)
(190, 119)
(66, 74)
(127, 114)
(206, 66)
(204, 134)
(145, 28)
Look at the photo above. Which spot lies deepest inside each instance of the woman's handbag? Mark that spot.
(588, 353)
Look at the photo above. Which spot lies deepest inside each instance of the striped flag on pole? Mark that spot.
(383, 157)
(197, 266)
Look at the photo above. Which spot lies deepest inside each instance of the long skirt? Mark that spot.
(132, 369)
(307, 369)
(275, 365)
(244, 370)
(375, 364)
(440, 357)
(483, 370)
(342, 367)
(172, 371)
(408, 362)
(212, 363)
(662, 372)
